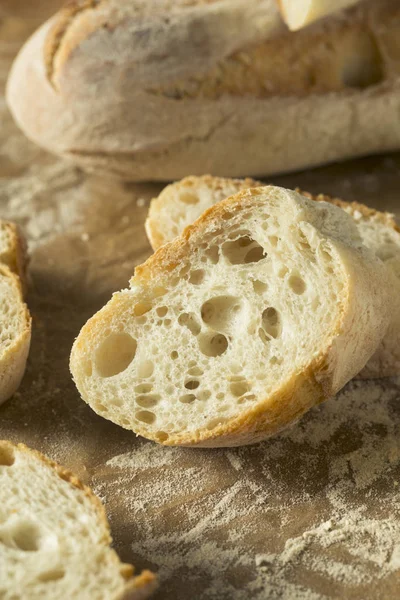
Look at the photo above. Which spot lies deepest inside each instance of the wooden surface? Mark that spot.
(314, 513)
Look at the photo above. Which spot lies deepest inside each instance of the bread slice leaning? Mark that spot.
(54, 536)
(181, 203)
(263, 308)
(15, 320)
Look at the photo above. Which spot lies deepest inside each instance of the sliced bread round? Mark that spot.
(264, 307)
(54, 536)
(15, 331)
(181, 203)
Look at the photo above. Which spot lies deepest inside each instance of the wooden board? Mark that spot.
(313, 513)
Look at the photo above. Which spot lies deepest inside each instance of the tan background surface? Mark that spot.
(314, 513)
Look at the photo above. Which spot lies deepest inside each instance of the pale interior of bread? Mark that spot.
(53, 538)
(245, 310)
(13, 317)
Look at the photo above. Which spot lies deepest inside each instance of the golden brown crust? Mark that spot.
(146, 578)
(15, 256)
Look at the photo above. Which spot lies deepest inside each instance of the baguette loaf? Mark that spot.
(54, 536)
(264, 307)
(15, 331)
(157, 90)
(181, 203)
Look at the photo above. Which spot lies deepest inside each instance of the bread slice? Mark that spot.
(15, 320)
(181, 203)
(264, 307)
(54, 536)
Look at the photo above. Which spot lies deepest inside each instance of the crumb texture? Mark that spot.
(54, 539)
(256, 293)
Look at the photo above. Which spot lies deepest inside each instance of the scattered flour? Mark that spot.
(306, 516)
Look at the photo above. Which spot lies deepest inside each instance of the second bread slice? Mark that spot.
(263, 308)
(181, 203)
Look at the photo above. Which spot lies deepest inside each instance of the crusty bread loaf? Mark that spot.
(15, 320)
(264, 307)
(181, 203)
(157, 90)
(54, 536)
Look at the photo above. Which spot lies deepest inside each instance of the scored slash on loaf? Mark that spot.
(54, 536)
(181, 203)
(265, 306)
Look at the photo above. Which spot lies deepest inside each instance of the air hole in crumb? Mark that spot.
(220, 396)
(263, 336)
(141, 308)
(188, 198)
(271, 322)
(192, 384)
(204, 395)
(145, 369)
(239, 388)
(187, 398)
(220, 313)
(215, 423)
(325, 255)
(283, 271)
(259, 287)
(162, 436)
(195, 372)
(297, 284)
(189, 320)
(146, 416)
(148, 401)
(243, 251)
(115, 354)
(7, 457)
(115, 401)
(162, 311)
(174, 355)
(52, 575)
(197, 277)
(274, 360)
(212, 254)
(273, 240)
(87, 367)
(143, 388)
(363, 67)
(214, 345)
(26, 536)
(100, 407)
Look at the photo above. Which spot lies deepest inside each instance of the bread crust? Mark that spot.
(365, 307)
(13, 261)
(127, 88)
(136, 587)
(154, 226)
(386, 361)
